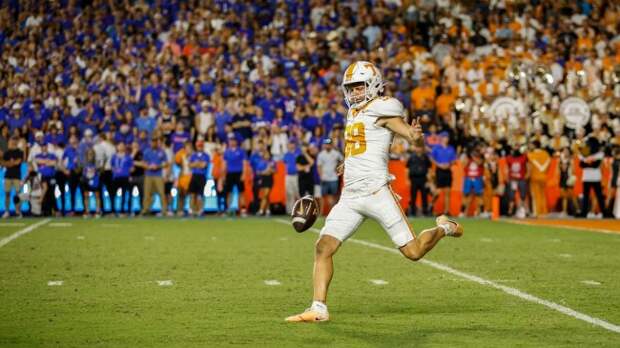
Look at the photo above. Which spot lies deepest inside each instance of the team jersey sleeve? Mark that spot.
(386, 107)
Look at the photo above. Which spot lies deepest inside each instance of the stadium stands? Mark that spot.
(527, 92)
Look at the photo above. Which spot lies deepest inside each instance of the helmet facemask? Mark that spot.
(373, 86)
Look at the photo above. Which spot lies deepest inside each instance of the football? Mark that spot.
(305, 212)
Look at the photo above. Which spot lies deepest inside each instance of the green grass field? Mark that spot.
(110, 295)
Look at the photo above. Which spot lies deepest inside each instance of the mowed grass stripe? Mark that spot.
(509, 290)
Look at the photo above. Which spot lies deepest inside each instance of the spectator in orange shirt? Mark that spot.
(216, 172)
(445, 101)
(182, 159)
(421, 95)
(539, 161)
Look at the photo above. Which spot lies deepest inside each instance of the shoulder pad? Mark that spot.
(385, 107)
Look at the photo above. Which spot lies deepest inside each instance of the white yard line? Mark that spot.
(511, 291)
(27, 229)
(379, 282)
(590, 282)
(272, 282)
(165, 282)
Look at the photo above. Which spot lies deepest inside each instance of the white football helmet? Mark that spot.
(362, 71)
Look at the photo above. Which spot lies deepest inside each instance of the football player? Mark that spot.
(372, 122)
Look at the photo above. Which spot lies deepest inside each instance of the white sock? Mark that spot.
(447, 228)
(319, 306)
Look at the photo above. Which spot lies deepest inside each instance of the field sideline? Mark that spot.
(224, 282)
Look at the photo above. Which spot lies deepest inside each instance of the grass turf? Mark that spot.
(110, 297)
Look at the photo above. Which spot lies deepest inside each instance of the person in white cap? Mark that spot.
(204, 119)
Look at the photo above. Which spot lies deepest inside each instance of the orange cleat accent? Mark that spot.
(457, 230)
(309, 316)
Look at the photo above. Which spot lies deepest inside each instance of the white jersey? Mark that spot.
(367, 146)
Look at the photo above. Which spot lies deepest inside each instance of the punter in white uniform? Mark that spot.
(372, 122)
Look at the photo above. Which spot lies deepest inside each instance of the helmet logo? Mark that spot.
(371, 66)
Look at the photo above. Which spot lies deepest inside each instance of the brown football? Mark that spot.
(305, 212)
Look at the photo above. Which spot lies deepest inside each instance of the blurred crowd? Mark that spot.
(110, 96)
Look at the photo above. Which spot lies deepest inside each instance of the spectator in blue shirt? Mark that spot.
(155, 160)
(222, 118)
(331, 118)
(124, 134)
(69, 173)
(88, 123)
(310, 122)
(146, 123)
(143, 140)
(267, 105)
(255, 158)
(198, 163)
(259, 121)
(265, 167)
(122, 163)
(179, 137)
(242, 124)
(37, 115)
(443, 155)
(54, 136)
(16, 121)
(46, 164)
(235, 161)
(291, 181)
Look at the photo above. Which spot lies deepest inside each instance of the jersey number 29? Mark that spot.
(355, 139)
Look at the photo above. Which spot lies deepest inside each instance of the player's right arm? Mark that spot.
(413, 133)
